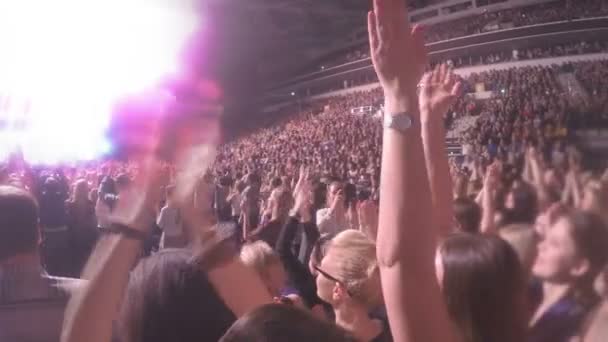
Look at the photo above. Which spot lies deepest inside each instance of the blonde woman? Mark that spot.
(349, 280)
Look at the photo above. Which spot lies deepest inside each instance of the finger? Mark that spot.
(399, 12)
(436, 74)
(426, 79)
(443, 73)
(450, 79)
(418, 39)
(372, 31)
(382, 20)
(456, 89)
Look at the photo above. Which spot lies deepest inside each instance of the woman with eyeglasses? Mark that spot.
(348, 279)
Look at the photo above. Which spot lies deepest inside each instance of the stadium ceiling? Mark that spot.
(286, 35)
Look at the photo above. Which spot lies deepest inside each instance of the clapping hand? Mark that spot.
(136, 205)
(303, 196)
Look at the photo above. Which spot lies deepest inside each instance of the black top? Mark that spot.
(563, 320)
(268, 233)
(299, 275)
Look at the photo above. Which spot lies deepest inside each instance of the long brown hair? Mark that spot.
(484, 288)
(590, 235)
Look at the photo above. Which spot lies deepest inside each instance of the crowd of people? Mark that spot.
(554, 11)
(333, 225)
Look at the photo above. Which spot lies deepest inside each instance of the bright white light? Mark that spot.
(65, 62)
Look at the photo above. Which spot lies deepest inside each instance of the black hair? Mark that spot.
(169, 298)
(280, 322)
(467, 214)
(276, 182)
(525, 209)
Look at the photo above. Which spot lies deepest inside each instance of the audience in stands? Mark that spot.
(332, 226)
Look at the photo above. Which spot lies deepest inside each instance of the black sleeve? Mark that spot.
(298, 273)
(310, 235)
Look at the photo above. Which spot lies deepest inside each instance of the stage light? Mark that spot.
(64, 63)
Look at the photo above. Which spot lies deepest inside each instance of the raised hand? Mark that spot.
(368, 219)
(397, 51)
(492, 178)
(136, 206)
(303, 197)
(439, 91)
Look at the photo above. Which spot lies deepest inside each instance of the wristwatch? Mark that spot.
(399, 121)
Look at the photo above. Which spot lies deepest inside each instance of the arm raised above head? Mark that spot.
(406, 237)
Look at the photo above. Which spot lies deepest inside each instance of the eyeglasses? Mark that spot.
(332, 278)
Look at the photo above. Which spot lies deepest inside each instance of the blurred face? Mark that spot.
(557, 260)
(589, 201)
(325, 286)
(332, 192)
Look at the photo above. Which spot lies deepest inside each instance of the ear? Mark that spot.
(580, 268)
(339, 292)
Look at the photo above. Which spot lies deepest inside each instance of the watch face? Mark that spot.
(406, 121)
(400, 121)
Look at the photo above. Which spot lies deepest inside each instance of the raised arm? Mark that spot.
(406, 237)
(487, 202)
(438, 93)
(92, 310)
(298, 272)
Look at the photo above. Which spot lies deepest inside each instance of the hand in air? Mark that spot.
(493, 175)
(303, 196)
(136, 206)
(439, 90)
(398, 52)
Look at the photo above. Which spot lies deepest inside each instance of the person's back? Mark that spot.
(31, 303)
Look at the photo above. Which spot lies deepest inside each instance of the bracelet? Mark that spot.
(127, 232)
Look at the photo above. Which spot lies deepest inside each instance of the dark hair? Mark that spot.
(18, 222)
(590, 235)
(320, 247)
(484, 288)
(170, 299)
(276, 182)
(350, 194)
(320, 195)
(280, 322)
(107, 186)
(122, 180)
(525, 209)
(225, 181)
(467, 214)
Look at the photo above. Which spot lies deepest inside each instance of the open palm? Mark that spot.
(439, 91)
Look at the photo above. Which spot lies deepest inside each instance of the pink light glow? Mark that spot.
(65, 62)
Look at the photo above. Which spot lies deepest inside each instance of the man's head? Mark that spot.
(18, 222)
